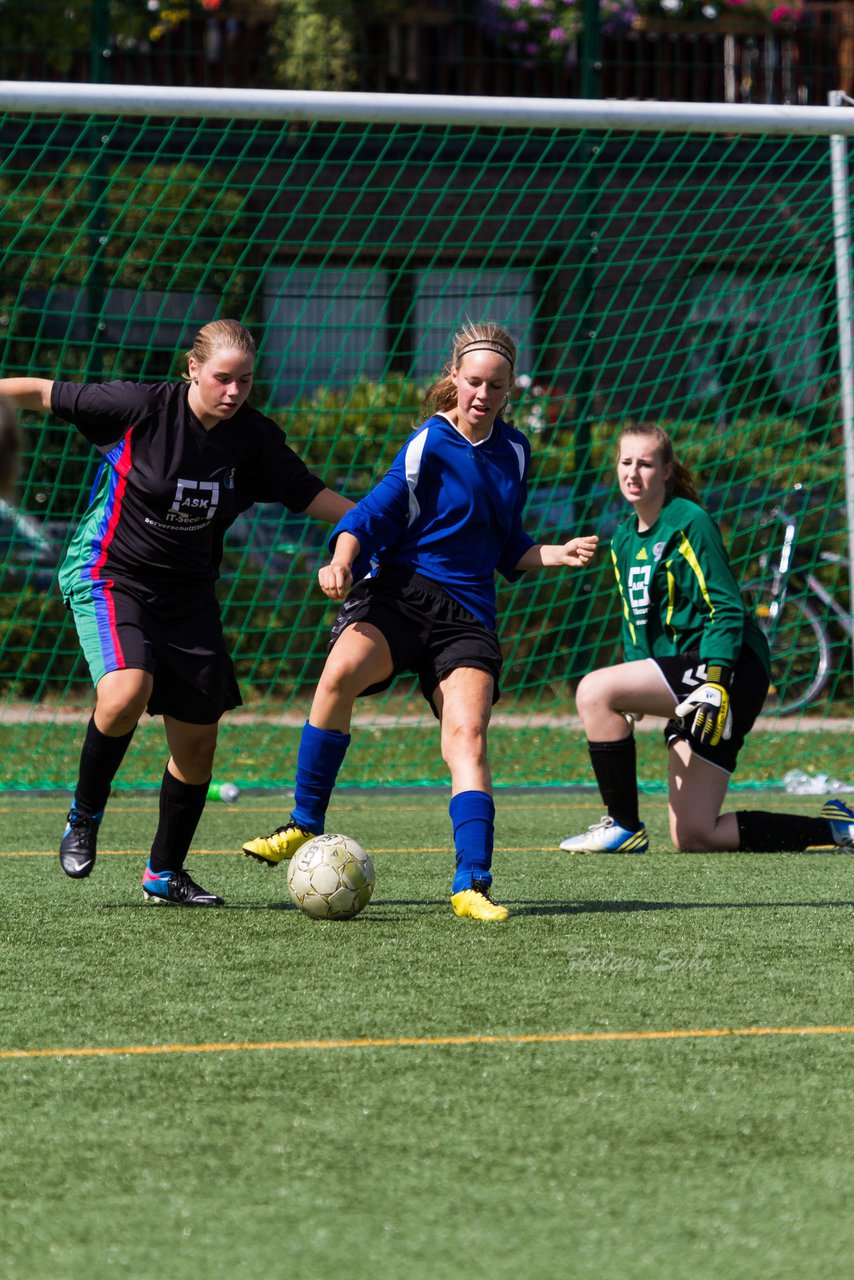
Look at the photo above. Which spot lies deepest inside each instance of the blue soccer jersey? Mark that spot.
(451, 510)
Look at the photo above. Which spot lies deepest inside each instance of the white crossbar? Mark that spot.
(420, 108)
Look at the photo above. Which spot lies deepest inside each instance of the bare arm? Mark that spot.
(336, 578)
(329, 506)
(574, 554)
(27, 393)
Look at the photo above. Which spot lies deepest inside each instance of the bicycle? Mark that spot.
(797, 612)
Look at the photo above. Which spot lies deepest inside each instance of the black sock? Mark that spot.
(181, 806)
(615, 769)
(100, 758)
(780, 832)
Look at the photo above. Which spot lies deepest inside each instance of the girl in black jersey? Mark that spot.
(180, 462)
(695, 657)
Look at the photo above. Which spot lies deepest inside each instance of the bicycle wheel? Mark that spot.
(800, 648)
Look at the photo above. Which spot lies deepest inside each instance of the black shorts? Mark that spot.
(428, 632)
(178, 639)
(685, 672)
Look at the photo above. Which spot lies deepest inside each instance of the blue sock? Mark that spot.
(321, 754)
(150, 874)
(473, 816)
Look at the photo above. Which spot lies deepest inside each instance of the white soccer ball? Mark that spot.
(331, 877)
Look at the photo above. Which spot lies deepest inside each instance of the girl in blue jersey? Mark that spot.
(437, 527)
(694, 656)
(180, 462)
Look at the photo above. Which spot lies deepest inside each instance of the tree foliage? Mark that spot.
(62, 33)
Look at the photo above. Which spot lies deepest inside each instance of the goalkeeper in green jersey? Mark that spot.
(695, 657)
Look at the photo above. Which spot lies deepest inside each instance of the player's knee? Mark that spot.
(344, 678)
(119, 710)
(115, 724)
(198, 764)
(591, 694)
(690, 836)
(463, 741)
(193, 755)
(335, 684)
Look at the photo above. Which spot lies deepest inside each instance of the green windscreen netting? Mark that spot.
(684, 279)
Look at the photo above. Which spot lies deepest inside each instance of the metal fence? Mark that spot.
(755, 54)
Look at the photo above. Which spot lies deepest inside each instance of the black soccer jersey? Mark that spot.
(168, 489)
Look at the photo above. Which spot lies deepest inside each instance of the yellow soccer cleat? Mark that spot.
(477, 905)
(278, 847)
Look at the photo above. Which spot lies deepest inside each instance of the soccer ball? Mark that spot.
(331, 877)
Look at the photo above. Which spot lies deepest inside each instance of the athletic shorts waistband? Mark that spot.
(400, 575)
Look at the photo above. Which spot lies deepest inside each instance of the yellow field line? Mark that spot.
(428, 1042)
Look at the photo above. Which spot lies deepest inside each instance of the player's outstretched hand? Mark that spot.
(578, 551)
(335, 580)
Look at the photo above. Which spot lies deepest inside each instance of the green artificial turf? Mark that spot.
(45, 756)
(410, 1116)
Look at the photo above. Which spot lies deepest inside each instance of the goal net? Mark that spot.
(677, 271)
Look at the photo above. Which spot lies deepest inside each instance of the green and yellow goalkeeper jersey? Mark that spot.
(678, 591)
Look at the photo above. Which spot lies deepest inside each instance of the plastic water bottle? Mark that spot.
(798, 783)
(225, 791)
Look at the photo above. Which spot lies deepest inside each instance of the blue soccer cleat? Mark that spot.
(176, 889)
(841, 819)
(607, 836)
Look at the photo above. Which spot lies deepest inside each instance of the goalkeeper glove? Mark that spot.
(708, 708)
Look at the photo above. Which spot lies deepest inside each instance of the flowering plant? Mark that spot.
(771, 12)
(538, 29)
